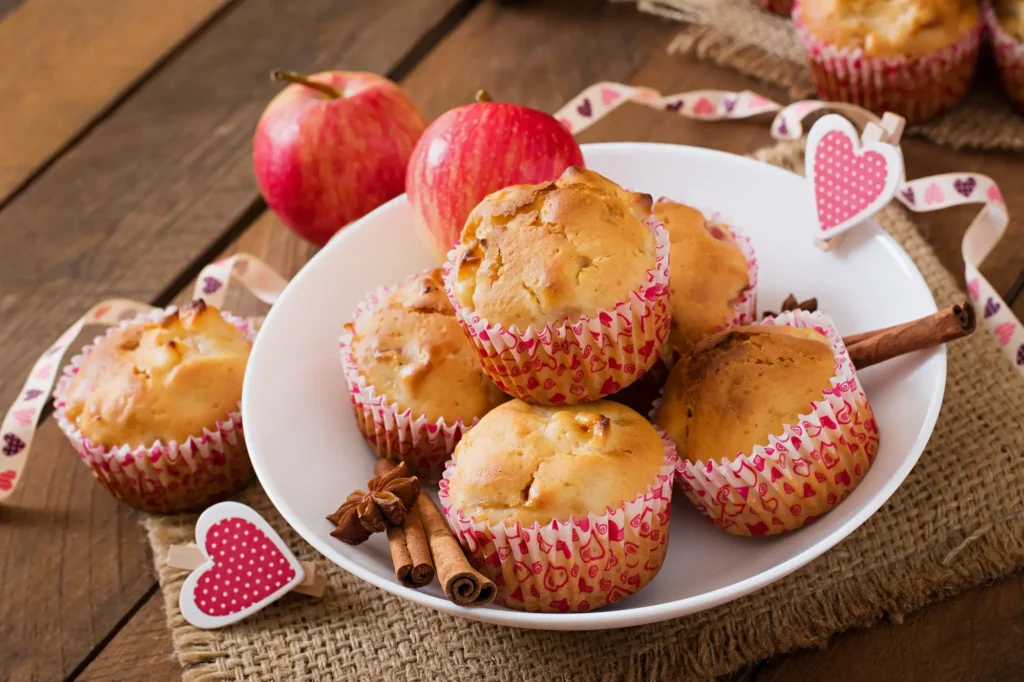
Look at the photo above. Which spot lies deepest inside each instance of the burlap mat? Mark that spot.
(957, 521)
(737, 34)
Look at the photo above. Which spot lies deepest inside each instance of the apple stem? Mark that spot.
(482, 96)
(292, 77)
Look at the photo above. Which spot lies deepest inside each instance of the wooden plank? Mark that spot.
(63, 62)
(976, 636)
(146, 193)
(148, 649)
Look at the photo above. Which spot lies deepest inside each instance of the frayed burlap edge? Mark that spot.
(738, 35)
(799, 612)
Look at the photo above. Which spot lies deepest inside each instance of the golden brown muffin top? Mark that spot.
(531, 463)
(707, 274)
(1011, 17)
(889, 28)
(538, 254)
(160, 380)
(740, 386)
(411, 350)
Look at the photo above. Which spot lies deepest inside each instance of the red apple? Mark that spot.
(477, 149)
(333, 146)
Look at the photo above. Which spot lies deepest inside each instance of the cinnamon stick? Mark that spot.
(948, 324)
(462, 583)
(410, 553)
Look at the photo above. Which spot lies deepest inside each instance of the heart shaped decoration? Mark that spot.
(851, 182)
(248, 567)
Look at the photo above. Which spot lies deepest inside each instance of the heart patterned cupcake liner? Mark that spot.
(803, 472)
(916, 88)
(395, 433)
(583, 359)
(576, 565)
(1009, 54)
(163, 478)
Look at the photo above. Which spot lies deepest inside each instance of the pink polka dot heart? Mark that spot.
(247, 569)
(850, 183)
(844, 183)
(248, 566)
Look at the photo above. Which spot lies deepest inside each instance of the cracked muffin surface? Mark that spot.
(412, 351)
(707, 274)
(890, 28)
(160, 380)
(538, 254)
(738, 387)
(531, 463)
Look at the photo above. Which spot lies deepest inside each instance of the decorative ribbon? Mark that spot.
(19, 426)
(921, 195)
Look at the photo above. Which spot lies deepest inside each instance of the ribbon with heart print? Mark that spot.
(920, 195)
(18, 428)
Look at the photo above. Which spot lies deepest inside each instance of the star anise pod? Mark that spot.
(389, 497)
(790, 303)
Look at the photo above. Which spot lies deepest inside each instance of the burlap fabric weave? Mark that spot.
(957, 521)
(738, 34)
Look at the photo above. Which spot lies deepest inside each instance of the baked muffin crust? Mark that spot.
(538, 254)
(740, 386)
(889, 28)
(707, 274)
(531, 463)
(164, 380)
(412, 351)
(1011, 17)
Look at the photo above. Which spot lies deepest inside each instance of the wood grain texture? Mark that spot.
(978, 635)
(62, 62)
(148, 651)
(158, 182)
(124, 213)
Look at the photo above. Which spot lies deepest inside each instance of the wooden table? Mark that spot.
(125, 167)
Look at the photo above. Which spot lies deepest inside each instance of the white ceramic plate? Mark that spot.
(309, 455)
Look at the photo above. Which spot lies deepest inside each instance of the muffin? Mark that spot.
(152, 408)
(1006, 25)
(562, 287)
(712, 275)
(916, 58)
(770, 422)
(564, 508)
(413, 376)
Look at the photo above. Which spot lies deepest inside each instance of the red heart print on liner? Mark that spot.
(845, 183)
(248, 568)
(32, 394)
(585, 109)
(965, 186)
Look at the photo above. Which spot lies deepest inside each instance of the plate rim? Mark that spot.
(599, 620)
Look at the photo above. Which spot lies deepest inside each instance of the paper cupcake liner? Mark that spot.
(916, 88)
(575, 565)
(392, 432)
(780, 7)
(1009, 57)
(805, 471)
(583, 359)
(163, 478)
